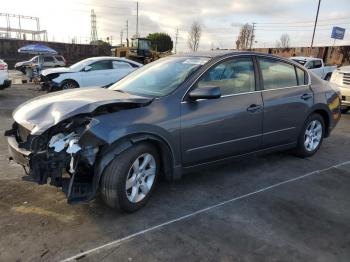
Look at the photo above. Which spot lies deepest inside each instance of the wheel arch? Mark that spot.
(70, 80)
(326, 115)
(108, 152)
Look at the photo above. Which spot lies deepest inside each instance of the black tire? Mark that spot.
(345, 110)
(23, 70)
(328, 77)
(301, 150)
(113, 180)
(66, 84)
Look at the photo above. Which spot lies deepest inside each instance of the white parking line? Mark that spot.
(121, 240)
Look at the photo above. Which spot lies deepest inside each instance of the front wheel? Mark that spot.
(311, 136)
(129, 180)
(69, 85)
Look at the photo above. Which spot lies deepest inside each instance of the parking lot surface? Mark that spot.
(275, 207)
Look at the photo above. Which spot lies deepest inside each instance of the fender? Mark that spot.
(108, 153)
(326, 113)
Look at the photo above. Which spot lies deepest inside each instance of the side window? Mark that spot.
(48, 59)
(101, 65)
(59, 58)
(233, 76)
(317, 64)
(121, 65)
(301, 76)
(277, 74)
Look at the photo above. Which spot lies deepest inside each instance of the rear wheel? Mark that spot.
(129, 180)
(311, 136)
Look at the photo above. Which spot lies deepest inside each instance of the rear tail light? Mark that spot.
(3, 67)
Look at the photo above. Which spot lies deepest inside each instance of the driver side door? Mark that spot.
(230, 125)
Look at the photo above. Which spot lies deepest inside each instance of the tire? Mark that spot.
(345, 110)
(307, 148)
(113, 186)
(328, 77)
(69, 84)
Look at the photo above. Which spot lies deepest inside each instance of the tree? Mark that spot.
(245, 37)
(285, 41)
(161, 42)
(99, 42)
(194, 36)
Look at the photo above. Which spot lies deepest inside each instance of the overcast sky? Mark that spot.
(220, 19)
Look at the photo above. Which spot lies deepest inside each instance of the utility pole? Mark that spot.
(313, 34)
(252, 37)
(121, 38)
(176, 37)
(137, 19)
(127, 29)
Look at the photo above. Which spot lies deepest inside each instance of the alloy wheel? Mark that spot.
(140, 178)
(313, 135)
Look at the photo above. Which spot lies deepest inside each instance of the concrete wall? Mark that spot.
(72, 52)
(339, 55)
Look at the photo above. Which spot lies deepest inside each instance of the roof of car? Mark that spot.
(97, 58)
(221, 53)
(305, 58)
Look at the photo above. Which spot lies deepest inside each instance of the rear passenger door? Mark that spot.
(49, 61)
(287, 98)
(99, 75)
(120, 69)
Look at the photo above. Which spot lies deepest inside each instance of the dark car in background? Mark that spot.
(171, 116)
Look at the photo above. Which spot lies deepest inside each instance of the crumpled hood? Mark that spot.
(57, 70)
(41, 113)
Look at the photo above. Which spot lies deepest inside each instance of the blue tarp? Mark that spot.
(37, 49)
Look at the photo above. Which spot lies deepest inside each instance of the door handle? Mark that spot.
(306, 96)
(254, 108)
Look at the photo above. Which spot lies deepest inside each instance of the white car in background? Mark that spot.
(341, 78)
(316, 66)
(4, 75)
(91, 72)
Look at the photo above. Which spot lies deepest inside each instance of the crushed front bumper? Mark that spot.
(19, 155)
(47, 84)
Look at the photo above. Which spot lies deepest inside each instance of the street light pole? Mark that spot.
(313, 34)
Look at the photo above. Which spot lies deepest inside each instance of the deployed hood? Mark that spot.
(57, 70)
(39, 114)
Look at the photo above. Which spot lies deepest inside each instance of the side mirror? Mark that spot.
(205, 92)
(87, 68)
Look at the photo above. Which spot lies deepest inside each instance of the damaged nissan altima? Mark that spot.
(173, 115)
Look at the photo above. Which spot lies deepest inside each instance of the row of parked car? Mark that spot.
(166, 118)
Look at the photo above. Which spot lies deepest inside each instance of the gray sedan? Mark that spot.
(171, 116)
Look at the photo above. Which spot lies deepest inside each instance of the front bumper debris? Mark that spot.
(66, 166)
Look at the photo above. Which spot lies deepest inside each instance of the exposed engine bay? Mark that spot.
(65, 154)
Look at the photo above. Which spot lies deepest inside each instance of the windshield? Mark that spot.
(160, 77)
(80, 65)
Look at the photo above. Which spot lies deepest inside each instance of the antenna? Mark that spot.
(93, 26)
